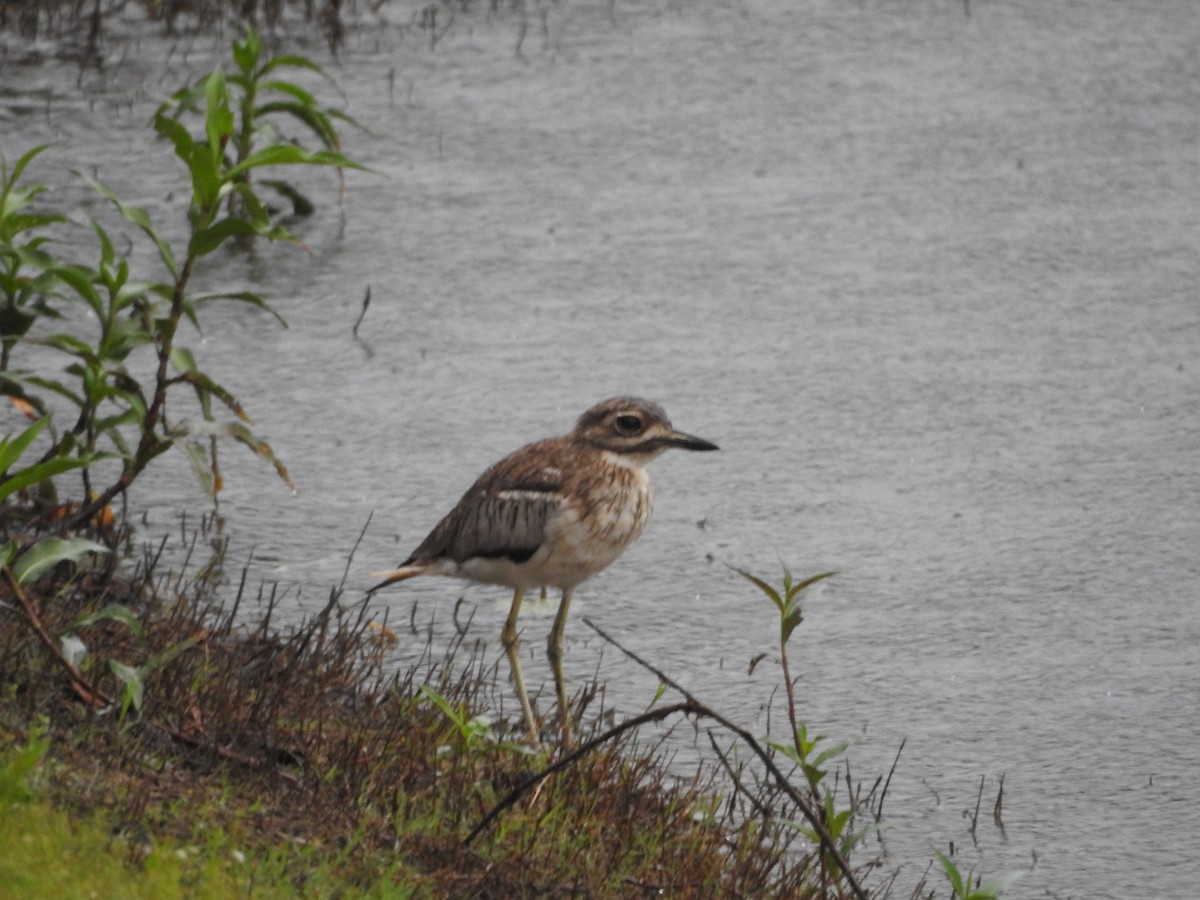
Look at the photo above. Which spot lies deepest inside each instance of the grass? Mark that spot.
(54, 854)
(296, 750)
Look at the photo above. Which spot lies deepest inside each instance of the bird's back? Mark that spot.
(552, 513)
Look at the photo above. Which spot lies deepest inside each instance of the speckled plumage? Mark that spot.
(553, 514)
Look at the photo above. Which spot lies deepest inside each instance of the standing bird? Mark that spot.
(552, 514)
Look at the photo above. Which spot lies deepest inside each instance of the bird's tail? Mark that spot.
(391, 576)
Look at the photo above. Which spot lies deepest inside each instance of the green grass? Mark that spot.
(51, 851)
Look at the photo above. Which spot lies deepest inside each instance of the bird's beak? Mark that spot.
(687, 441)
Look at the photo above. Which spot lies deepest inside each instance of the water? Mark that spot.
(929, 281)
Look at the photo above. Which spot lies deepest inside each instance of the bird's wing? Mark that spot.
(504, 514)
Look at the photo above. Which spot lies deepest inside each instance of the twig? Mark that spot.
(750, 741)
(737, 780)
(82, 687)
(458, 626)
(975, 814)
(888, 780)
(367, 524)
(362, 315)
(655, 715)
(252, 762)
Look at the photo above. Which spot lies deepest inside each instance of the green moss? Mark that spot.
(49, 852)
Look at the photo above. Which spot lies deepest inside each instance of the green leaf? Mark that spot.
(40, 472)
(113, 612)
(203, 167)
(141, 219)
(25, 159)
(134, 686)
(247, 50)
(293, 90)
(67, 344)
(290, 155)
(218, 121)
(11, 449)
(762, 586)
(82, 282)
(242, 297)
(51, 551)
(18, 766)
(205, 385)
(243, 435)
(292, 61)
(182, 359)
(123, 337)
(301, 205)
(54, 387)
(952, 873)
(444, 705)
(787, 750)
(795, 589)
(206, 240)
(310, 116)
(197, 455)
(825, 756)
(995, 887)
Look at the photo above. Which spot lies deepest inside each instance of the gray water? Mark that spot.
(929, 280)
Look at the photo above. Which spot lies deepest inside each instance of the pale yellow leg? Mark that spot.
(554, 650)
(512, 647)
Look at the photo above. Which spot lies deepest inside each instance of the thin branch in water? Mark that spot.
(975, 814)
(888, 781)
(362, 315)
(458, 626)
(997, 808)
(367, 524)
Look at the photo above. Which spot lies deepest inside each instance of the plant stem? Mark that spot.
(148, 446)
(87, 693)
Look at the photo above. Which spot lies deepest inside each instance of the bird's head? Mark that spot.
(633, 427)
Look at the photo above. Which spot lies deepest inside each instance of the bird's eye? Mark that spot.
(629, 425)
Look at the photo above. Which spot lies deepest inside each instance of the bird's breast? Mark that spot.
(595, 524)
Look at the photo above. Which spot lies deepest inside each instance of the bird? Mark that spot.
(551, 515)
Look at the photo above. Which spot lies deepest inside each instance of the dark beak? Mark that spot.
(688, 442)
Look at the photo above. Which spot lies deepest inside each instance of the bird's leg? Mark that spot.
(512, 647)
(554, 649)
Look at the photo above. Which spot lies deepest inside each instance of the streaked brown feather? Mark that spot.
(492, 519)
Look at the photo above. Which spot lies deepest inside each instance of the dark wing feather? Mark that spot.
(504, 513)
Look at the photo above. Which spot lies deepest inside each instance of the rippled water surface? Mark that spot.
(929, 280)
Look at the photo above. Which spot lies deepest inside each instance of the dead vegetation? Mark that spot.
(296, 739)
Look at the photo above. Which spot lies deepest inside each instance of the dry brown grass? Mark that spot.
(297, 737)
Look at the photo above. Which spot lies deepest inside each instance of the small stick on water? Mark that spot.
(997, 808)
(891, 771)
(367, 524)
(459, 626)
(366, 302)
(978, 800)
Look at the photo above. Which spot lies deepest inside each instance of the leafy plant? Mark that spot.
(12, 448)
(256, 107)
(27, 565)
(19, 764)
(26, 289)
(474, 733)
(805, 752)
(970, 886)
(113, 406)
